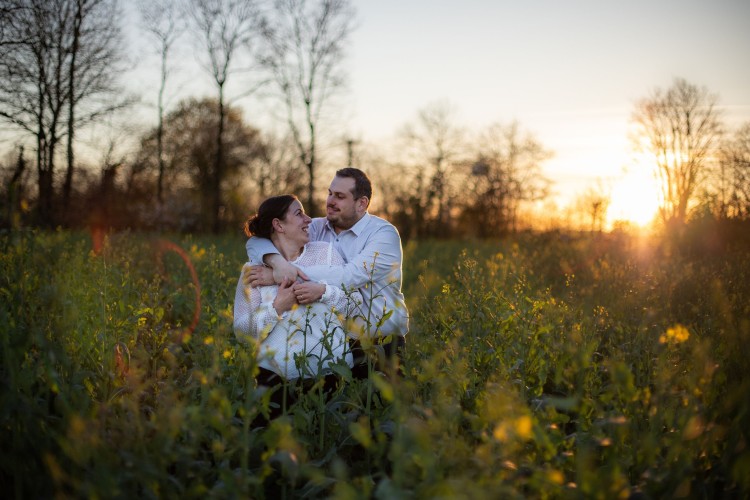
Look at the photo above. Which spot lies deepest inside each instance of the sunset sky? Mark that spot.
(569, 71)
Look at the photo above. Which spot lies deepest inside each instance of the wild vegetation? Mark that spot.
(549, 365)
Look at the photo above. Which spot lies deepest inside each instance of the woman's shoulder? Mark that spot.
(318, 245)
(316, 252)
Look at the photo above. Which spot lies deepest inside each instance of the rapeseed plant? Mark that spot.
(541, 367)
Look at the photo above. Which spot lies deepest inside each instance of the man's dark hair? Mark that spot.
(362, 184)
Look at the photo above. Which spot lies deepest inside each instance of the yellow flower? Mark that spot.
(519, 428)
(523, 427)
(675, 335)
(196, 252)
(208, 340)
(555, 476)
(501, 432)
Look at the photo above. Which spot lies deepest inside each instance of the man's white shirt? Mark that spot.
(373, 254)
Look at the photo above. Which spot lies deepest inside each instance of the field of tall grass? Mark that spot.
(543, 366)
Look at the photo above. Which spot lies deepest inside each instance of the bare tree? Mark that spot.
(435, 145)
(54, 61)
(162, 20)
(734, 175)
(32, 93)
(594, 204)
(190, 152)
(275, 171)
(93, 44)
(14, 180)
(226, 27)
(397, 198)
(8, 16)
(305, 50)
(507, 172)
(681, 127)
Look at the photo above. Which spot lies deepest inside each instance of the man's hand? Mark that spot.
(282, 269)
(257, 275)
(285, 298)
(309, 292)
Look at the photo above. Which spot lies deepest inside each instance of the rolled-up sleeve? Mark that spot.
(257, 248)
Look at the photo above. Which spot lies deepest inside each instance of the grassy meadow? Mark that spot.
(543, 366)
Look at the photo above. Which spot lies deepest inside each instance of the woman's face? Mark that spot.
(295, 223)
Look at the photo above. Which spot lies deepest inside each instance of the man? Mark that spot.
(372, 249)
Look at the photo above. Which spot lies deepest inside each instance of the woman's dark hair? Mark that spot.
(275, 207)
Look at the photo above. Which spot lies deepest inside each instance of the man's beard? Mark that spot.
(339, 221)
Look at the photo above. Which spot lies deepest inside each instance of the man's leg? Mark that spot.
(389, 356)
(392, 362)
(273, 382)
(359, 368)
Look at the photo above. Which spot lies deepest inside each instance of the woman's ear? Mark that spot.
(277, 227)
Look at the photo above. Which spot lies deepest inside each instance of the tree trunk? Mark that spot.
(160, 131)
(218, 167)
(68, 185)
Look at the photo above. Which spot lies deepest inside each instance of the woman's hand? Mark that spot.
(309, 292)
(285, 298)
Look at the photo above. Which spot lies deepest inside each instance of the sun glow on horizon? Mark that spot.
(635, 199)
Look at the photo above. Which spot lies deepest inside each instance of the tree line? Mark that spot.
(202, 166)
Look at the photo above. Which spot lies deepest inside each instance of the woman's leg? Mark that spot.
(273, 382)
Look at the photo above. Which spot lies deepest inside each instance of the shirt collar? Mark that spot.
(361, 224)
(356, 228)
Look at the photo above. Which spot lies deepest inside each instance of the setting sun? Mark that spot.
(635, 198)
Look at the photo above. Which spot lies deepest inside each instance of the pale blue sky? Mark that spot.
(504, 58)
(568, 71)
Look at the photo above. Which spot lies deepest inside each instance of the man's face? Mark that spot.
(342, 210)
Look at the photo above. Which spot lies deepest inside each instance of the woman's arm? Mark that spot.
(254, 314)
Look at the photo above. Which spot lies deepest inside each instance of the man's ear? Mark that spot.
(362, 203)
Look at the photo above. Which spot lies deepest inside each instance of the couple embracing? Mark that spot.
(316, 290)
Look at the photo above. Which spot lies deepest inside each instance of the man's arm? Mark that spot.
(262, 251)
(379, 262)
(257, 248)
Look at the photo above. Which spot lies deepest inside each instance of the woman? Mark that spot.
(295, 342)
